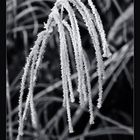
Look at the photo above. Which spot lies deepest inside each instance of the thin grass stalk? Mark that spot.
(35, 65)
(21, 125)
(9, 106)
(72, 21)
(91, 121)
(71, 36)
(92, 31)
(23, 81)
(78, 54)
(99, 26)
(63, 62)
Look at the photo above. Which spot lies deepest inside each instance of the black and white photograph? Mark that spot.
(69, 70)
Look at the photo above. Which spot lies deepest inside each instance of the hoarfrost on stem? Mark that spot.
(93, 23)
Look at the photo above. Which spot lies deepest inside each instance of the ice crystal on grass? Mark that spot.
(93, 23)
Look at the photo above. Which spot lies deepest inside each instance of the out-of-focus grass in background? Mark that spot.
(115, 119)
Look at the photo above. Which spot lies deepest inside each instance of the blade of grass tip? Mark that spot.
(75, 118)
(91, 121)
(69, 73)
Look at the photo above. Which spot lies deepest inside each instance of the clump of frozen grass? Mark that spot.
(93, 22)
